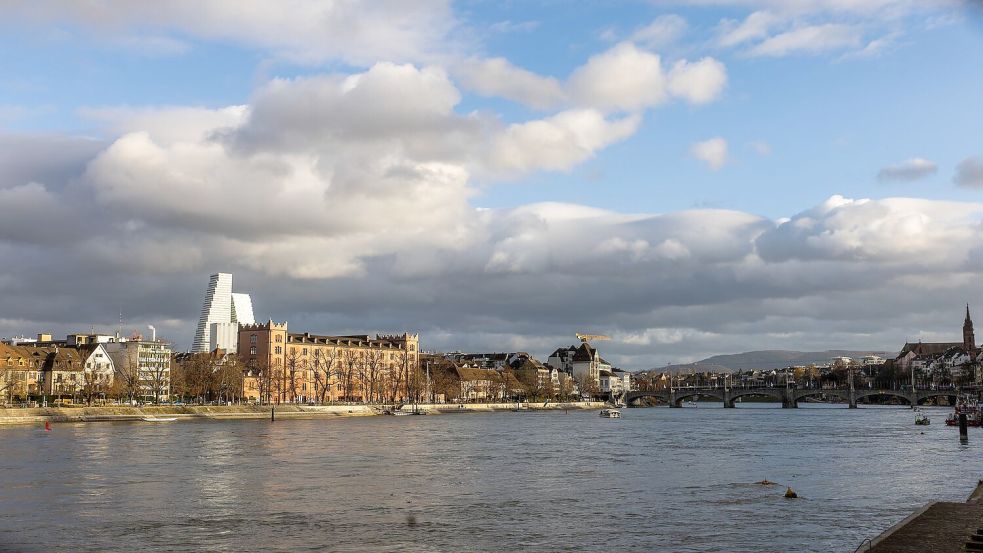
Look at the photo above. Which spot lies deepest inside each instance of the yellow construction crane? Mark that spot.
(588, 337)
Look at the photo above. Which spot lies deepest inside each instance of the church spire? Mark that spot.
(969, 338)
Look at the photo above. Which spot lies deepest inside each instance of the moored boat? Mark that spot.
(610, 413)
(921, 419)
(971, 408)
(159, 419)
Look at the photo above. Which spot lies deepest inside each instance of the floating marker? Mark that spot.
(790, 493)
(47, 426)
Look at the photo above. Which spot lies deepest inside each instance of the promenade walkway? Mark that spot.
(941, 527)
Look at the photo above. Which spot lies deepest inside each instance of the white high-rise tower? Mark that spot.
(221, 315)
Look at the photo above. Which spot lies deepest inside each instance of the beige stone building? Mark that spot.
(20, 372)
(285, 367)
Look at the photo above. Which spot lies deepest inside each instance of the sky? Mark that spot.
(689, 177)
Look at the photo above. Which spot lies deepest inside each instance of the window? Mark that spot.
(278, 350)
(279, 338)
(252, 350)
(252, 339)
(305, 351)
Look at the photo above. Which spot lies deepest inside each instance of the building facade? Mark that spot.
(144, 365)
(221, 314)
(285, 367)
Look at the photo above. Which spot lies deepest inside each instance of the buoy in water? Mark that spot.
(766, 482)
(47, 426)
(790, 493)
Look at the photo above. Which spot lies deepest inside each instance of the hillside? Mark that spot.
(768, 359)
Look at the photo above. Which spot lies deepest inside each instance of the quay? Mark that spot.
(941, 527)
(118, 413)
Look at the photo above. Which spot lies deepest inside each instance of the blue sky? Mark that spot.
(510, 119)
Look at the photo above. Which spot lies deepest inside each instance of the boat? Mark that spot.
(610, 413)
(159, 419)
(921, 419)
(968, 406)
(689, 404)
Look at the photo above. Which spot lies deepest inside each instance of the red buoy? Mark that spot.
(47, 426)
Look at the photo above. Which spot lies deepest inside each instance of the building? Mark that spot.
(615, 382)
(99, 367)
(144, 367)
(21, 372)
(921, 354)
(221, 314)
(285, 367)
(64, 372)
(582, 362)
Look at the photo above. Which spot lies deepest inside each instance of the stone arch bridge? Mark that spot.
(789, 397)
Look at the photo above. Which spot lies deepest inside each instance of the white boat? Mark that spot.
(159, 419)
(689, 404)
(610, 413)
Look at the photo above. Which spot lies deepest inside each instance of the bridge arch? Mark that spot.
(841, 395)
(923, 395)
(777, 394)
(861, 394)
(692, 394)
(660, 395)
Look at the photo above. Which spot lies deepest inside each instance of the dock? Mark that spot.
(940, 527)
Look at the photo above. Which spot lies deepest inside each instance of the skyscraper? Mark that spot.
(221, 315)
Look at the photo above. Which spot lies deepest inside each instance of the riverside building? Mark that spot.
(286, 367)
(221, 314)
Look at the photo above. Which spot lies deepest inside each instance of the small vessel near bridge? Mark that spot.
(610, 414)
(971, 408)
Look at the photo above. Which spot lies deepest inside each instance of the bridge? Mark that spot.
(789, 397)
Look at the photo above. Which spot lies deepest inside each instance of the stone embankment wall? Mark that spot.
(286, 411)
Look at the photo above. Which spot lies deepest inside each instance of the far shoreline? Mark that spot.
(115, 413)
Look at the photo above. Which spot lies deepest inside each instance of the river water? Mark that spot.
(656, 480)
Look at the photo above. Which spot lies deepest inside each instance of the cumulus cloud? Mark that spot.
(908, 170)
(498, 77)
(627, 78)
(624, 78)
(969, 173)
(296, 30)
(713, 152)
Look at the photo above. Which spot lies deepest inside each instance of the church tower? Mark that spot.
(969, 339)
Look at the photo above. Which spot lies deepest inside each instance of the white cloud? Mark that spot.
(626, 78)
(623, 78)
(498, 77)
(969, 173)
(713, 152)
(755, 26)
(296, 30)
(558, 142)
(698, 82)
(908, 170)
(809, 39)
(662, 31)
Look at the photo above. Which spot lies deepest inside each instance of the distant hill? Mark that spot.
(768, 359)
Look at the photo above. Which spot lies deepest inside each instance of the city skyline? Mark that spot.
(691, 178)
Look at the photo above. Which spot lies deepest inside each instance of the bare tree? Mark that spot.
(323, 367)
(13, 381)
(295, 366)
(228, 379)
(128, 377)
(350, 365)
(374, 366)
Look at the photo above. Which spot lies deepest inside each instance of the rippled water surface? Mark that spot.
(656, 480)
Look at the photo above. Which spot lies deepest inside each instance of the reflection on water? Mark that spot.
(656, 480)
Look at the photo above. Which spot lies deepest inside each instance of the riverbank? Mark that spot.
(111, 413)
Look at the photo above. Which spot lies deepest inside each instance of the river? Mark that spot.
(656, 480)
